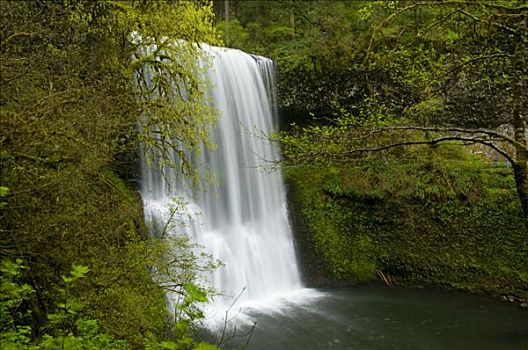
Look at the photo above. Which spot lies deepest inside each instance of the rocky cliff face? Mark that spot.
(489, 154)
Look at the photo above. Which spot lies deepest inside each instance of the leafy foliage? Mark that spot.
(439, 218)
(394, 56)
(419, 73)
(69, 113)
(65, 328)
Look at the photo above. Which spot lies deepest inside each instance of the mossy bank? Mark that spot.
(442, 219)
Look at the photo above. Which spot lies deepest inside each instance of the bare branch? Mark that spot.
(16, 35)
(476, 59)
(431, 143)
(440, 21)
(518, 9)
(487, 132)
(478, 19)
(384, 23)
(492, 133)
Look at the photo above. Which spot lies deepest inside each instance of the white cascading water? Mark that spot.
(243, 219)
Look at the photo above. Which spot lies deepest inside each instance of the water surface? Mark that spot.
(374, 318)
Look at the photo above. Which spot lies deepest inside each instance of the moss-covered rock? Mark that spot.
(441, 219)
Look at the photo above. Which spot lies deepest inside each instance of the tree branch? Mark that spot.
(476, 59)
(492, 133)
(431, 143)
(518, 9)
(440, 21)
(384, 23)
(502, 26)
(15, 35)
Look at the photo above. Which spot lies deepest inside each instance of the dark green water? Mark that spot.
(375, 318)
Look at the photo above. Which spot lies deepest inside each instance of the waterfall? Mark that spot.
(242, 216)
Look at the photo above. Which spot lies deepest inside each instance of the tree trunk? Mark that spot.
(226, 18)
(292, 18)
(520, 128)
(521, 181)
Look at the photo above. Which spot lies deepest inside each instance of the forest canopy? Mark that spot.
(411, 72)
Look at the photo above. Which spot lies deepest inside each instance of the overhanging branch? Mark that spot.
(491, 133)
(430, 143)
(476, 59)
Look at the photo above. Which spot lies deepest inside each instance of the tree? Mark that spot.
(465, 63)
(68, 111)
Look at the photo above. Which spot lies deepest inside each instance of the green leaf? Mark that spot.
(205, 346)
(4, 191)
(78, 271)
(195, 293)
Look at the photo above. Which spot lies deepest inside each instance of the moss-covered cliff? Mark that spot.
(441, 219)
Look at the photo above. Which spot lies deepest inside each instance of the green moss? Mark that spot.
(345, 256)
(449, 222)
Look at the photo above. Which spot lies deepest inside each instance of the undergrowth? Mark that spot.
(440, 217)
